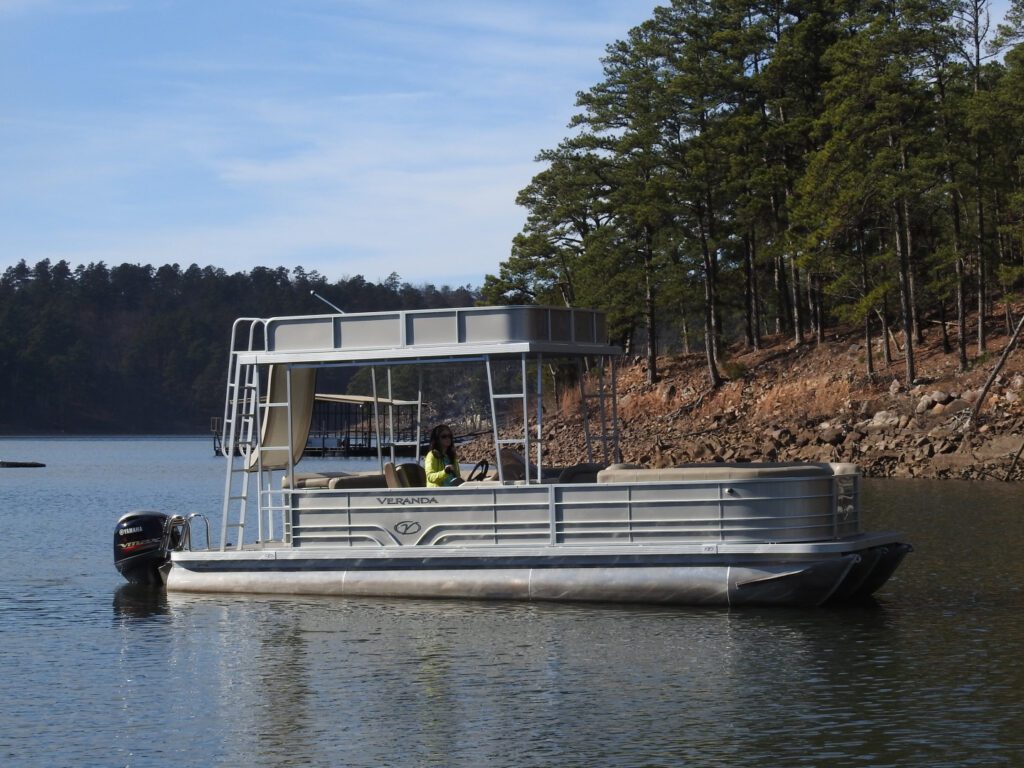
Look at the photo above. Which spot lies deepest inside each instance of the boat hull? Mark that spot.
(763, 580)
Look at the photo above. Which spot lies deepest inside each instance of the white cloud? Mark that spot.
(354, 138)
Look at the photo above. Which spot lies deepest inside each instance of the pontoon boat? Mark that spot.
(708, 534)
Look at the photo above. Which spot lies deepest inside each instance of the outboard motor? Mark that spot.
(143, 542)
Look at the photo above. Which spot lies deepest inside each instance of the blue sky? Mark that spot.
(346, 136)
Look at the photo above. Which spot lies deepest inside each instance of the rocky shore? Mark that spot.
(813, 402)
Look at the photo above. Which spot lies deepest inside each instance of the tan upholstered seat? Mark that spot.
(579, 473)
(311, 479)
(513, 465)
(359, 481)
(714, 472)
(411, 475)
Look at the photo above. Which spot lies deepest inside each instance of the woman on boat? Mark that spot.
(442, 463)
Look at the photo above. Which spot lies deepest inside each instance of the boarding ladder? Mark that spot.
(596, 395)
(513, 393)
(393, 440)
(599, 413)
(245, 408)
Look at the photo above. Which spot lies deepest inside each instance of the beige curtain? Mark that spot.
(274, 430)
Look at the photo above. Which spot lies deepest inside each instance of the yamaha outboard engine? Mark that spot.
(142, 543)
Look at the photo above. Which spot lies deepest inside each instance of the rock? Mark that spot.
(956, 406)
(940, 397)
(952, 461)
(971, 395)
(999, 446)
(924, 404)
(884, 417)
(1011, 397)
(831, 436)
(1017, 383)
(853, 437)
(870, 406)
(894, 388)
(701, 451)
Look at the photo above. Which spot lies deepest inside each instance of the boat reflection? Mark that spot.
(140, 601)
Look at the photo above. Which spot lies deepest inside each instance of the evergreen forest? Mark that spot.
(747, 169)
(138, 349)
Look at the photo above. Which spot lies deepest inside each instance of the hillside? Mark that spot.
(814, 402)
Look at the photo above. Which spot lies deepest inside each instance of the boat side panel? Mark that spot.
(758, 510)
(799, 509)
(422, 517)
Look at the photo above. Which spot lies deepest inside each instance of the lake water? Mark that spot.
(96, 673)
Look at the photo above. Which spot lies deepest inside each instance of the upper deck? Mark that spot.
(431, 333)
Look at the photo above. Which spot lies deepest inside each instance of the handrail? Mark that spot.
(188, 528)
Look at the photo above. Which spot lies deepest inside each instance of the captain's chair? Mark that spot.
(391, 475)
(513, 465)
(411, 475)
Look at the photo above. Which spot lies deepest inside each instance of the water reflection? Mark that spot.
(363, 676)
(139, 601)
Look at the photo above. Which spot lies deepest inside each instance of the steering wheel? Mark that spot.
(479, 471)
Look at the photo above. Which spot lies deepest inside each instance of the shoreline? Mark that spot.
(803, 403)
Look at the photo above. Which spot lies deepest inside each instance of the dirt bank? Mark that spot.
(814, 402)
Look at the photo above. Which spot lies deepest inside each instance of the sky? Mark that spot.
(350, 137)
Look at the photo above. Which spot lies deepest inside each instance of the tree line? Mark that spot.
(774, 167)
(142, 349)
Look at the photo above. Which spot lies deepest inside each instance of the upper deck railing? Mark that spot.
(439, 332)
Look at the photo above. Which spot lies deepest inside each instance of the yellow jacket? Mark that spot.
(437, 477)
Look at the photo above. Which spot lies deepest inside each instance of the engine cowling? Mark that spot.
(143, 543)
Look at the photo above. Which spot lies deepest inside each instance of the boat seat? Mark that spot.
(714, 472)
(411, 475)
(370, 480)
(312, 479)
(513, 465)
(391, 475)
(579, 473)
